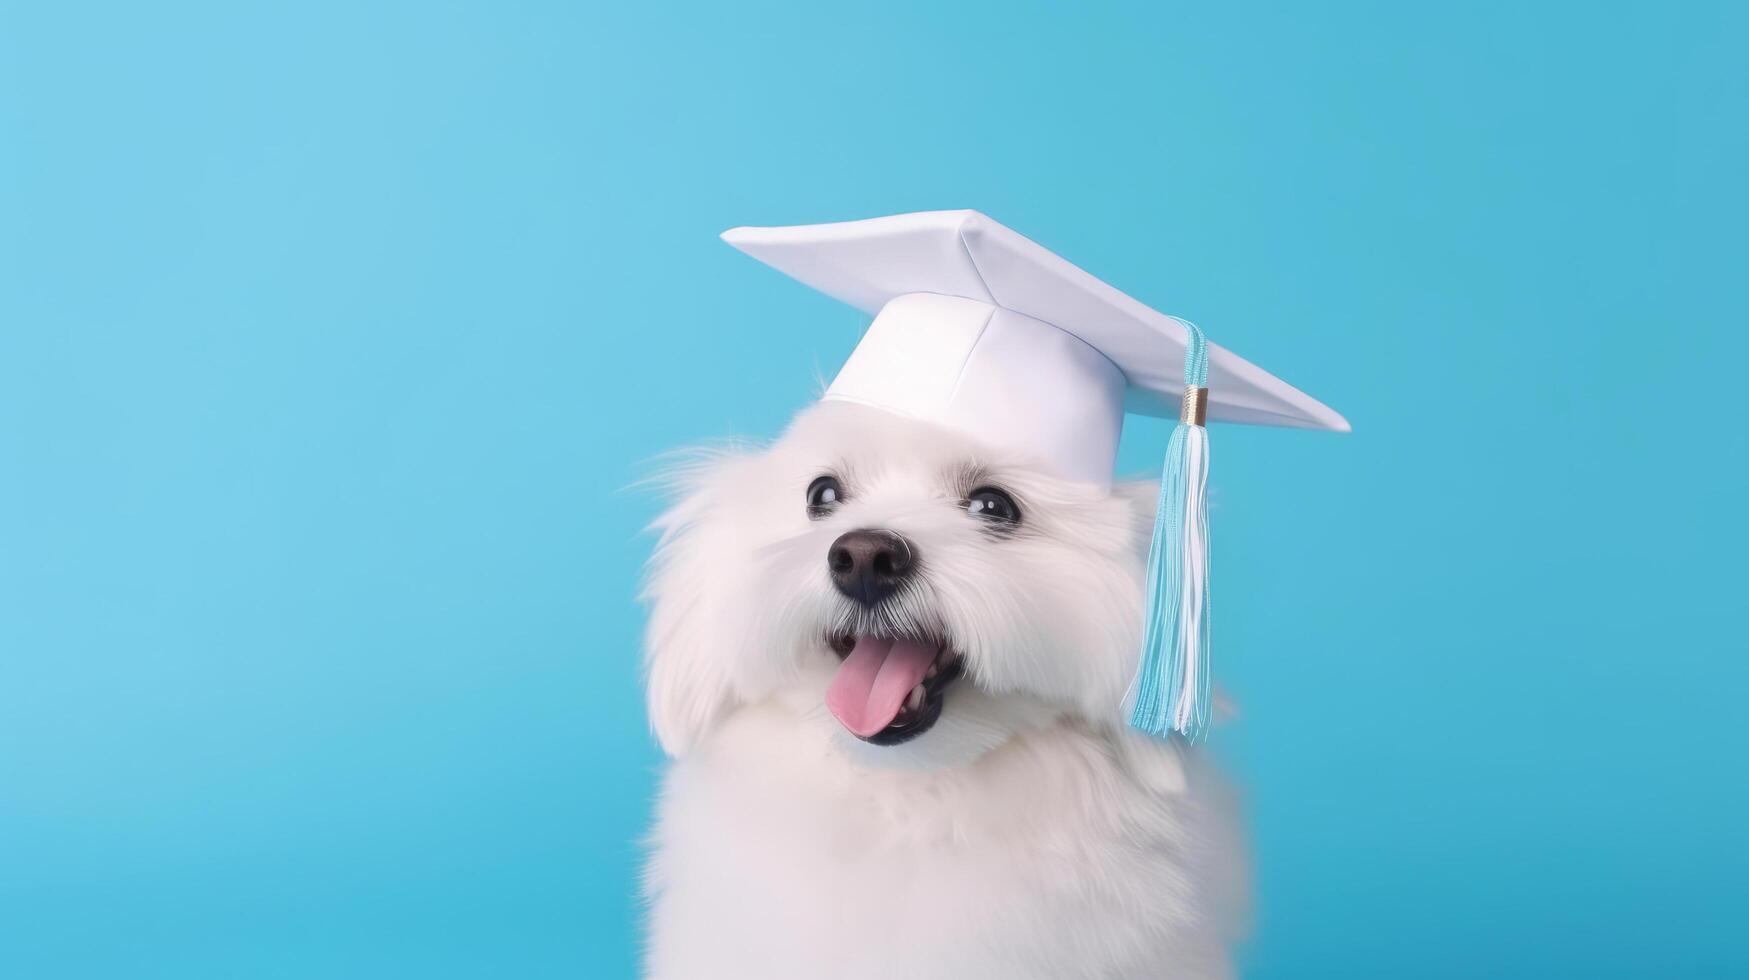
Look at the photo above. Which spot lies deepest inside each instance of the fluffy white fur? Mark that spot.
(1028, 834)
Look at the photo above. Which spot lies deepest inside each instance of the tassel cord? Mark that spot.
(1171, 691)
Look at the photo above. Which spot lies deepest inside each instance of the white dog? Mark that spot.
(889, 665)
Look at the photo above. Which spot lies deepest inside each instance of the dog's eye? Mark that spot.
(991, 504)
(823, 495)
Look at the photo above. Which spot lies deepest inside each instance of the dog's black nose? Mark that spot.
(869, 566)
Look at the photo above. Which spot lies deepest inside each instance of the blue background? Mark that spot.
(332, 335)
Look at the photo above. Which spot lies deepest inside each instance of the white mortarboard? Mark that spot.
(981, 330)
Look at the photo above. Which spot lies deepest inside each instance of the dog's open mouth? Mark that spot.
(890, 690)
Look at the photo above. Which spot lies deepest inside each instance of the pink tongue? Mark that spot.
(872, 682)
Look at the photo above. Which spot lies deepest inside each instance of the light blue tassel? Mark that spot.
(1171, 689)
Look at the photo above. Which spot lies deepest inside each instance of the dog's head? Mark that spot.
(924, 597)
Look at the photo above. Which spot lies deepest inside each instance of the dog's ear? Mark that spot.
(687, 673)
(1144, 500)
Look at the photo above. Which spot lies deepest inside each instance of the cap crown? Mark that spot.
(997, 375)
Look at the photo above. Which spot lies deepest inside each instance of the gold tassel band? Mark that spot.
(1195, 409)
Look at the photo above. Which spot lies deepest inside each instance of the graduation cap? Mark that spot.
(981, 330)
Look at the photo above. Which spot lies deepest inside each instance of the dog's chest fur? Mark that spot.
(1065, 853)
